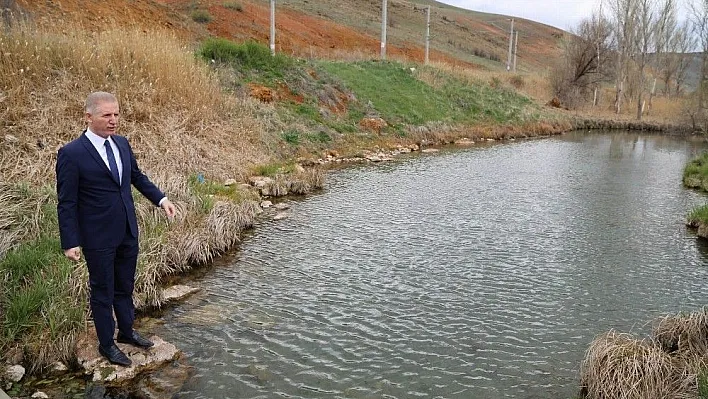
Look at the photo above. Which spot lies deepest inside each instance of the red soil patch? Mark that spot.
(299, 34)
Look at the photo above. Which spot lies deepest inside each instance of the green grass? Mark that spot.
(695, 174)
(207, 191)
(703, 384)
(274, 168)
(36, 294)
(400, 98)
(250, 58)
(292, 137)
(698, 215)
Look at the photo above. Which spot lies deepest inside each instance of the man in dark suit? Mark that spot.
(97, 217)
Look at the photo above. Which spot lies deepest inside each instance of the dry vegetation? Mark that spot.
(180, 124)
(669, 364)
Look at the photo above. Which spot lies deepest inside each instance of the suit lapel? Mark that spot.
(124, 159)
(95, 155)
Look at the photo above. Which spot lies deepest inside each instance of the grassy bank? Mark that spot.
(695, 176)
(196, 115)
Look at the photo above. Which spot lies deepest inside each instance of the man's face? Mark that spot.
(104, 120)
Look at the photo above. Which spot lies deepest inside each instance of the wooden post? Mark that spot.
(272, 27)
(511, 43)
(516, 48)
(427, 36)
(384, 23)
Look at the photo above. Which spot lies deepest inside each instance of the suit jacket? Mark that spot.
(94, 210)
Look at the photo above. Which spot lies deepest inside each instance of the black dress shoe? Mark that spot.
(135, 339)
(114, 355)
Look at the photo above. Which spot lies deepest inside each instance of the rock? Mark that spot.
(177, 292)
(14, 373)
(281, 206)
(163, 383)
(230, 182)
(101, 370)
(59, 367)
(260, 181)
(430, 150)
(464, 141)
(40, 395)
(266, 204)
(281, 216)
(299, 168)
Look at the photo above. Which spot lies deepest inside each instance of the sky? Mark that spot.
(563, 14)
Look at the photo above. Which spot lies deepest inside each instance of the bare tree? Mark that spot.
(676, 60)
(586, 60)
(664, 32)
(622, 16)
(699, 20)
(646, 22)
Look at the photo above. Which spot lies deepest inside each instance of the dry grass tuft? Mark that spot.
(21, 215)
(683, 333)
(619, 366)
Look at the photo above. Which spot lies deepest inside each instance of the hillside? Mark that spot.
(326, 28)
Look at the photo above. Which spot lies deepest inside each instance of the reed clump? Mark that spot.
(668, 364)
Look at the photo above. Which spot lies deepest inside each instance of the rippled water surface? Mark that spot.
(476, 273)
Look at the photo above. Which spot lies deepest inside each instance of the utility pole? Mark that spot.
(595, 98)
(511, 43)
(516, 48)
(384, 23)
(427, 36)
(272, 27)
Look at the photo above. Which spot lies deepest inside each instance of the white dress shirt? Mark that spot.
(97, 142)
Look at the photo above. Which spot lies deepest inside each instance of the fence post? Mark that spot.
(511, 43)
(272, 27)
(427, 36)
(384, 23)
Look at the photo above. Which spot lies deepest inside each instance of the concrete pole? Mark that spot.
(272, 27)
(516, 48)
(511, 43)
(595, 99)
(427, 36)
(384, 23)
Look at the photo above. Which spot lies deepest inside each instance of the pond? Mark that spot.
(482, 272)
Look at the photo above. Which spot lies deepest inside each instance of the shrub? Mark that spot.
(233, 6)
(201, 16)
(292, 137)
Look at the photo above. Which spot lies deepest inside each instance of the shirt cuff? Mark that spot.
(161, 201)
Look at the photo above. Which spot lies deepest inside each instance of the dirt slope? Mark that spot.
(324, 28)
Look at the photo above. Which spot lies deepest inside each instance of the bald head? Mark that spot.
(96, 98)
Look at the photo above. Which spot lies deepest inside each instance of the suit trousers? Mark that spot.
(112, 280)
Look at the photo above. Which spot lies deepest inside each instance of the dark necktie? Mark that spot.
(113, 166)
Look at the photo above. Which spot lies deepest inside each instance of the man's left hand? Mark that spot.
(169, 208)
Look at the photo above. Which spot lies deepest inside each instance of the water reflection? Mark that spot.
(473, 273)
